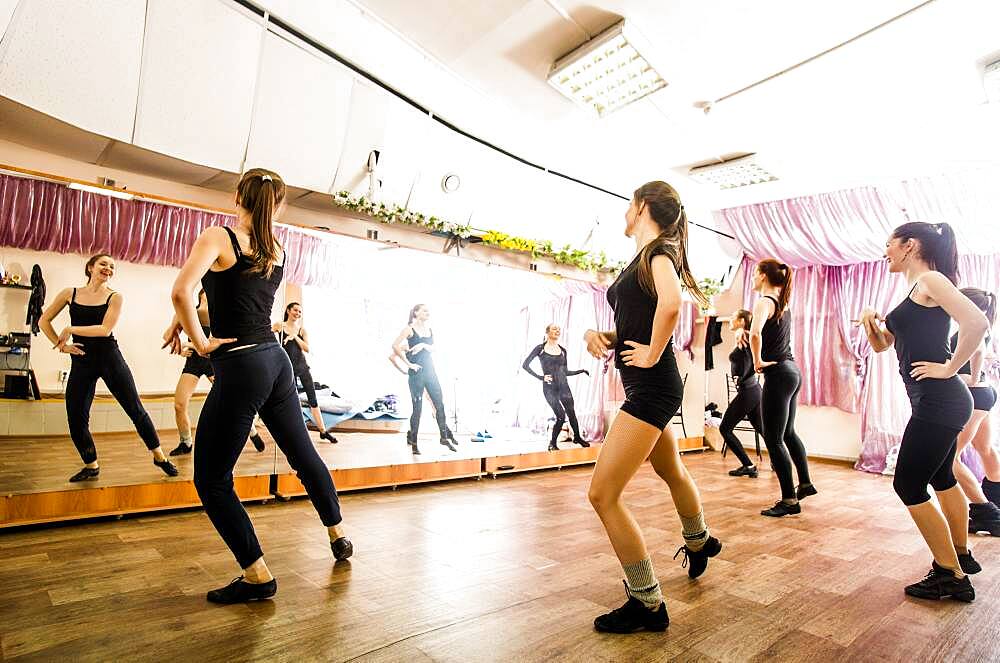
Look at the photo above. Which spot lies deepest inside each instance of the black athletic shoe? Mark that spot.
(86, 474)
(633, 617)
(182, 449)
(582, 442)
(992, 490)
(445, 442)
(941, 583)
(781, 509)
(168, 468)
(342, 548)
(804, 491)
(744, 471)
(325, 435)
(968, 563)
(553, 446)
(241, 591)
(411, 439)
(257, 440)
(984, 518)
(696, 561)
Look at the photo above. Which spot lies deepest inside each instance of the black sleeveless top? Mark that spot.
(634, 311)
(239, 303)
(294, 352)
(423, 358)
(776, 336)
(967, 369)
(87, 315)
(554, 365)
(921, 334)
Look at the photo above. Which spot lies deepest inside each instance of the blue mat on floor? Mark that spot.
(330, 419)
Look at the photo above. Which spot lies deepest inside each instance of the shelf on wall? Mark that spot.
(15, 286)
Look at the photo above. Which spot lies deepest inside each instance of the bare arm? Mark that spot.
(206, 250)
(972, 323)
(301, 339)
(55, 308)
(107, 324)
(399, 347)
(878, 336)
(762, 310)
(668, 306)
(976, 364)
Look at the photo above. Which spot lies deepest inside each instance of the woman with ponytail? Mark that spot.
(926, 254)
(984, 514)
(240, 269)
(771, 347)
(646, 298)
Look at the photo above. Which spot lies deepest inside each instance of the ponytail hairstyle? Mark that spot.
(413, 313)
(261, 192)
(937, 245)
(778, 275)
(289, 308)
(744, 315)
(89, 267)
(666, 210)
(986, 301)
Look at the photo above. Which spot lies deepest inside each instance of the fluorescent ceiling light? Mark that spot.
(114, 193)
(733, 173)
(991, 82)
(608, 72)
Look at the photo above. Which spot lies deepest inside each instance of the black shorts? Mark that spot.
(983, 398)
(197, 366)
(653, 395)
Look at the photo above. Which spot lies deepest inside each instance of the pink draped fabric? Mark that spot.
(46, 216)
(684, 331)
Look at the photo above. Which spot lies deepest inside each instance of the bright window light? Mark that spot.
(733, 173)
(991, 82)
(114, 193)
(608, 72)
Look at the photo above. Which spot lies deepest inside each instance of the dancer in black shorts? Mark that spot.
(94, 353)
(240, 270)
(295, 341)
(646, 299)
(926, 254)
(555, 387)
(746, 403)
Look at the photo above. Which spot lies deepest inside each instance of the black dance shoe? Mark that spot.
(86, 474)
(696, 561)
(781, 509)
(411, 439)
(241, 591)
(633, 617)
(984, 518)
(744, 471)
(325, 435)
(968, 563)
(168, 468)
(992, 490)
(582, 442)
(342, 548)
(804, 491)
(257, 440)
(941, 583)
(182, 449)
(445, 442)
(553, 446)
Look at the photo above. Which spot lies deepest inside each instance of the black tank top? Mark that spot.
(967, 369)
(86, 315)
(239, 303)
(776, 336)
(423, 358)
(294, 352)
(741, 368)
(634, 310)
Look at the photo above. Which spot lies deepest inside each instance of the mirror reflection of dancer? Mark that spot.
(194, 367)
(240, 270)
(746, 403)
(555, 387)
(926, 254)
(413, 348)
(984, 516)
(294, 339)
(646, 298)
(94, 353)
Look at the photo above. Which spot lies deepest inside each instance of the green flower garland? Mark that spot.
(394, 214)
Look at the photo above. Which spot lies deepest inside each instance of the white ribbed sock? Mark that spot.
(642, 583)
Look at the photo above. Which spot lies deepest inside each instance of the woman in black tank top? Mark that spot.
(295, 341)
(94, 354)
(240, 272)
(413, 348)
(771, 345)
(940, 401)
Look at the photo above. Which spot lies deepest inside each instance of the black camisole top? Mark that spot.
(634, 311)
(776, 336)
(88, 315)
(423, 358)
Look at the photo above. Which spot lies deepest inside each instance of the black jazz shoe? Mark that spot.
(181, 449)
(804, 491)
(241, 591)
(86, 474)
(342, 548)
(968, 563)
(257, 440)
(582, 442)
(744, 471)
(941, 583)
(325, 435)
(696, 561)
(633, 617)
(781, 509)
(168, 468)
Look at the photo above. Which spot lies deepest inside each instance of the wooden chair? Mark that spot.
(679, 417)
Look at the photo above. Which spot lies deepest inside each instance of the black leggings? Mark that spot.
(926, 454)
(560, 399)
(426, 378)
(303, 374)
(777, 407)
(107, 364)
(257, 379)
(745, 405)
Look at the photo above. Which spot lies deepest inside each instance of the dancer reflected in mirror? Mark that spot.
(555, 387)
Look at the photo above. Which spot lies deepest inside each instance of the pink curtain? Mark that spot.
(46, 216)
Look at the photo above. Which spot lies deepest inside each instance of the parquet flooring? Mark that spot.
(512, 569)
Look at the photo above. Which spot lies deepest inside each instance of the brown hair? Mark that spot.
(413, 313)
(666, 210)
(549, 326)
(744, 315)
(93, 261)
(289, 308)
(986, 301)
(260, 192)
(779, 275)
(938, 247)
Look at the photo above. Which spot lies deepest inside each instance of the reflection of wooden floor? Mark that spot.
(507, 570)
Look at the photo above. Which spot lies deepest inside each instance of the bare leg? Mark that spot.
(983, 443)
(934, 528)
(666, 460)
(955, 508)
(186, 384)
(966, 479)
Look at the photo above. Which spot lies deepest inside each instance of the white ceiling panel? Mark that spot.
(367, 119)
(6, 11)
(199, 68)
(300, 115)
(77, 60)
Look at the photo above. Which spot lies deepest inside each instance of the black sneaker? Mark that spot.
(182, 449)
(553, 446)
(744, 471)
(241, 591)
(342, 548)
(984, 518)
(258, 443)
(968, 563)
(696, 561)
(633, 617)
(86, 474)
(782, 509)
(168, 468)
(941, 583)
(992, 490)
(804, 491)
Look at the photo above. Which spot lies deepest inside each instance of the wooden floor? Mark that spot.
(512, 569)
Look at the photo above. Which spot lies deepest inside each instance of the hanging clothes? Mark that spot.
(37, 300)
(713, 337)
